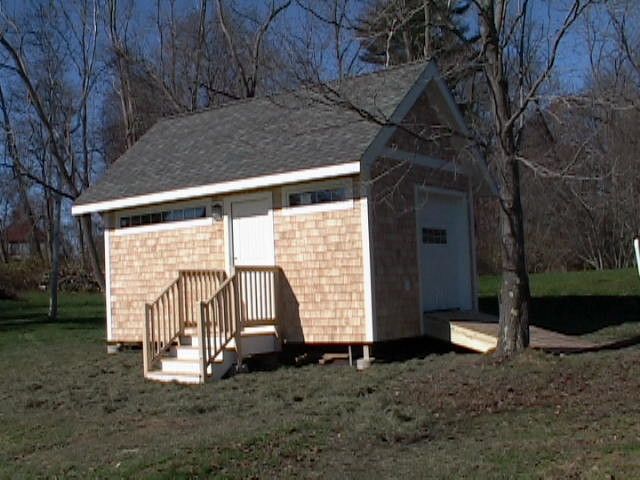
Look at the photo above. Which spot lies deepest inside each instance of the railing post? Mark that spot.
(276, 295)
(236, 318)
(181, 302)
(202, 341)
(145, 339)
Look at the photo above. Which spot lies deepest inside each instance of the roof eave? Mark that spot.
(264, 181)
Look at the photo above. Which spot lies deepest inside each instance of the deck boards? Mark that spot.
(479, 332)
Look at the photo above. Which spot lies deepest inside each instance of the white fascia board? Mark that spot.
(407, 103)
(252, 183)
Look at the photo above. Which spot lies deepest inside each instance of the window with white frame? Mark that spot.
(163, 216)
(318, 196)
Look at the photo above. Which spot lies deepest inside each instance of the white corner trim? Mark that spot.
(107, 277)
(219, 188)
(163, 227)
(423, 160)
(346, 183)
(367, 261)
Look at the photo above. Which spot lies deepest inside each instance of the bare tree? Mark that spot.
(21, 175)
(500, 25)
(249, 62)
(52, 107)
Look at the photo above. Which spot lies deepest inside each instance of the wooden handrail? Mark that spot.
(247, 298)
(162, 324)
(218, 324)
(176, 307)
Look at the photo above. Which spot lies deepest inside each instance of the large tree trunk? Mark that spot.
(92, 251)
(514, 292)
(55, 259)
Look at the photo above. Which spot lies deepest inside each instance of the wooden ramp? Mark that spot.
(479, 332)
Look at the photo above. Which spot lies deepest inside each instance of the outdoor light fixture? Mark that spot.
(216, 211)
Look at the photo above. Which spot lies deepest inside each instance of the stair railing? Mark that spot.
(175, 308)
(247, 298)
(218, 324)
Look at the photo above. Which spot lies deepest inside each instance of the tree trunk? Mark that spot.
(427, 30)
(4, 254)
(55, 259)
(92, 251)
(514, 292)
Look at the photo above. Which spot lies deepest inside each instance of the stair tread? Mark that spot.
(173, 372)
(192, 347)
(188, 360)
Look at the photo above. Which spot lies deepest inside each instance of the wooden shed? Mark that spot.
(330, 215)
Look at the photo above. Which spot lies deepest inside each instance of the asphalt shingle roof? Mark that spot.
(255, 137)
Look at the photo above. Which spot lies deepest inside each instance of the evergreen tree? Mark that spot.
(394, 32)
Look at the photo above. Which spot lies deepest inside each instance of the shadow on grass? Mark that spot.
(67, 322)
(576, 315)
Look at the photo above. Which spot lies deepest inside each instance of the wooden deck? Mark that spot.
(479, 332)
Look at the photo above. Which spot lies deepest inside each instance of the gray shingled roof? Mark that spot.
(256, 137)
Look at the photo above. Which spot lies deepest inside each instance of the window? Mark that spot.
(314, 197)
(175, 215)
(434, 236)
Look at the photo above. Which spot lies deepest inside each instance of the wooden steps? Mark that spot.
(182, 363)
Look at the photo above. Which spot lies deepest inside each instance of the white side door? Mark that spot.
(445, 254)
(252, 225)
(252, 235)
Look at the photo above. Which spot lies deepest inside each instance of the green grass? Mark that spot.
(602, 305)
(67, 409)
(600, 283)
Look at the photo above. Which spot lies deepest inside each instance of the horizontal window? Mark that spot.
(165, 216)
(434, 235)
(314, 197)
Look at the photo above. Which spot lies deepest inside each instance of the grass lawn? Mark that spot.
(68, 409)
(603, 306)
(617, 283)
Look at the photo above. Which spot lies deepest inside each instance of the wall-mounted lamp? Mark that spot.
(217, 211)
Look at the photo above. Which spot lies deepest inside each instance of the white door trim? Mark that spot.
(228, 223)
(453, 193)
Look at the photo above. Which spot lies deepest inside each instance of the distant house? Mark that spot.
(18, 238)
(290, 219)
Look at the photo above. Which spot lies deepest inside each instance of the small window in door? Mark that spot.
(436, 236)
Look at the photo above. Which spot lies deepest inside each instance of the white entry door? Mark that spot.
(252, 232)
(445, 250)
(252, 224)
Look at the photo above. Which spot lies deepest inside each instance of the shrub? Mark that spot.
(19, 276)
